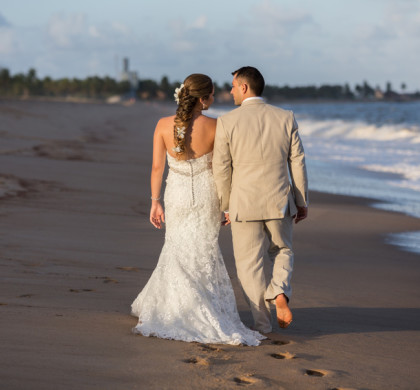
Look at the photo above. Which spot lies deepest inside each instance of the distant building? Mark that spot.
(130, 76)
(379, 94)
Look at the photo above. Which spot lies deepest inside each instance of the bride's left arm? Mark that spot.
(157, 215)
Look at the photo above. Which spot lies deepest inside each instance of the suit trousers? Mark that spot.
(249, 246)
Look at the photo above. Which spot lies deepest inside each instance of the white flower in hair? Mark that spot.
(177, 149)
(181, 132)
(177, 91)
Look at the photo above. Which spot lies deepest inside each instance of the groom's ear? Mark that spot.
(244, 88)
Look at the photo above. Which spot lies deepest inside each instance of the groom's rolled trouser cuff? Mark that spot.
(282, 274)
(272, 300)
(249, 247)
(282, 257)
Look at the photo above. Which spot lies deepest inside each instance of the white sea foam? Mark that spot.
(410, 241)
(392, 149)
(369, 150)
(363, 149)
(358, 130)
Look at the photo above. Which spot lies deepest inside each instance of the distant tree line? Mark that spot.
(25, 85)
(152, 89)
(29, 84)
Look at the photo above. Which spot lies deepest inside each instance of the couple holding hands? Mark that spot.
(248, 164)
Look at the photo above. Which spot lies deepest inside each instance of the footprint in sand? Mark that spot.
(26, 295)
(280, 342)
(245, 380)
(285, 355)
(109, 280)
(3, 304)
(135, 269)
(84, 289)
(106, 279)
(198, 361)
(342, 388)
(210, 348)
(318, 373)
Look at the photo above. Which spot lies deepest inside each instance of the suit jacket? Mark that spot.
(257, 147)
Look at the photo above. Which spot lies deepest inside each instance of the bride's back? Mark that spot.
(199, 136)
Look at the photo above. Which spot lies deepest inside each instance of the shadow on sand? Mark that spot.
(320, 321)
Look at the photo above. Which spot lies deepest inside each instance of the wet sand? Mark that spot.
(77, 247)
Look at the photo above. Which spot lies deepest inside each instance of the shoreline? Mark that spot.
(77, 248)
(222, 103)
(398, 239)
(10, 186)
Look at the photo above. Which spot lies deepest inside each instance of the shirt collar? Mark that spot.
(253, 98)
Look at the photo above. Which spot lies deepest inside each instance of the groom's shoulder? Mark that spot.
(278, 109)
(229, 118)
(230, 114)
(280, 113)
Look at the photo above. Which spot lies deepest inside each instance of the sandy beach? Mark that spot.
(77, 248)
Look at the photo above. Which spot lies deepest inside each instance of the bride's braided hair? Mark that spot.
(196, 86)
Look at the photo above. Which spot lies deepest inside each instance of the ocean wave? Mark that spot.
(368, 150)
(388, 153)
(358, 130)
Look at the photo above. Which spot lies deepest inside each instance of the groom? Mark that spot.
(257, 147)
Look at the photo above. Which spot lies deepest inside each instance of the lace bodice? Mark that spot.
(195, 165)
(191, 169)
(189, 295)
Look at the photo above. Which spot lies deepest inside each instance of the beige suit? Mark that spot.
(257, 147)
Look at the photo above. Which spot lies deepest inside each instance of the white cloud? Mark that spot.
(3, 21)
(183, 46)
(289, 44)
(200, 22)
(7, 37)
(7, 40)
(384, 49)
(93, 32)
(186, 38)
(119, 27)
(274, 17)
(75, 32)
(69, 45)
(66, 30)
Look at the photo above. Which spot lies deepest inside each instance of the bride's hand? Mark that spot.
(226, 221)
(157, 216)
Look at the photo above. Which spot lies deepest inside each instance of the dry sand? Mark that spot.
(77, 247)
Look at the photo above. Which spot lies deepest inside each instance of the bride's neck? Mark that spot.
(196, 113)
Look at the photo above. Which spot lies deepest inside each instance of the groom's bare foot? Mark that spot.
(284, 315)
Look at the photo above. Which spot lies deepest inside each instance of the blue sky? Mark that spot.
(294, 42)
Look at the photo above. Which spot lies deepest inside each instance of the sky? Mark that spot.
(292, 42)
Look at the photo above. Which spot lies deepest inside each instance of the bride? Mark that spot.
(189, 296)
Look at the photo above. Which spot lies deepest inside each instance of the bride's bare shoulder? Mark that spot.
(167, 120)
(165, 123)
(210, 121)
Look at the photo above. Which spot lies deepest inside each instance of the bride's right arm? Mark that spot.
(157, 215)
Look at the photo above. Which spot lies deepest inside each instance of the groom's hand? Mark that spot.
(302, 213)
(226, 220)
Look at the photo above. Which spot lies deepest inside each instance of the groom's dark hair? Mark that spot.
(253, 78)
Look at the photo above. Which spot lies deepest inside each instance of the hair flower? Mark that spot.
(177, 91)
(177, 149)
(180, 132)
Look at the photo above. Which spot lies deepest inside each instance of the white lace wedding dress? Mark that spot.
(189, 296)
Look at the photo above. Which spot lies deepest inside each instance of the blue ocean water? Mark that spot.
(365, 149)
